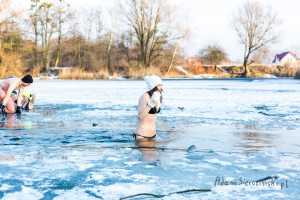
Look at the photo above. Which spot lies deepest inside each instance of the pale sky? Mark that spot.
(209, 22)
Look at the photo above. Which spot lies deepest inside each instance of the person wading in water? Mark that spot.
(7, 87)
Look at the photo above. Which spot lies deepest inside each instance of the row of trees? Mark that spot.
(137, 33)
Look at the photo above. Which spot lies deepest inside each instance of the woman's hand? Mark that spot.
(155, 100)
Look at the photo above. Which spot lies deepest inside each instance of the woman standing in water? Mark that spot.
(149, 106)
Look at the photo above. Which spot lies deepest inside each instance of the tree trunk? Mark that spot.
(173, 58)
(143, 57)
(246, 73)
(109, 52)
(58, 53)
(57, 58)
(47, 59)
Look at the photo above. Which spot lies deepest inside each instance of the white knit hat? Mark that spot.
(152, 81)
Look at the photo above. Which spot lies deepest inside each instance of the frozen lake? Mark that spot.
(77, 142)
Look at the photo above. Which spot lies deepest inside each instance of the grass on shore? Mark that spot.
(140, 73)
(11, 67)
(134, 73)
(80, 74)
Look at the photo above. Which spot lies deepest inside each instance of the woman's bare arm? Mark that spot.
(143, 109)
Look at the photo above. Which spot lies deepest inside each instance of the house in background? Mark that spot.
(286, 57)
(194, 60)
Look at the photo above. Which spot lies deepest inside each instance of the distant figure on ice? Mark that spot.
(7, 87)
(149, 106)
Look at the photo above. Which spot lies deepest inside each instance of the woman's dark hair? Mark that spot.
(152, 91)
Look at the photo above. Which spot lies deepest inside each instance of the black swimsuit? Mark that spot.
(135, 135)
(153, 110)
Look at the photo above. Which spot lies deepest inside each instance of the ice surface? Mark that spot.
(77, 142)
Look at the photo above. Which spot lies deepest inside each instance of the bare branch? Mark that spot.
(256, 28)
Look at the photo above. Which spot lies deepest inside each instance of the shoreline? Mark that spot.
(171, 79)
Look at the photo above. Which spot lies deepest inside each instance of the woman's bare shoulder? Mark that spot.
(13, 80)
(145, 96)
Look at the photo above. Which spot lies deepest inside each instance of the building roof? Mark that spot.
(282, 55)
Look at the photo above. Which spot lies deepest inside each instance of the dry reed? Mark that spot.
(80, 74)
(140, 72)
(11, 65)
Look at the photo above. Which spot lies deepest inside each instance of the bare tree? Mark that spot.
(181, 33)
(75, 42)
(213, 54)
(48, 25)
(98, 20)
(126, 46)
(10, 32)
(4, 4)
(256, 27)
(62, 15)
(90, 20)
(10, 40)
(44, 18)
(34, 22)
(150, 21)
(111, 38)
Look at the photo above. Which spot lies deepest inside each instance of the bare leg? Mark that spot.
(147, 148)
(2, 95)
(10, 106)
